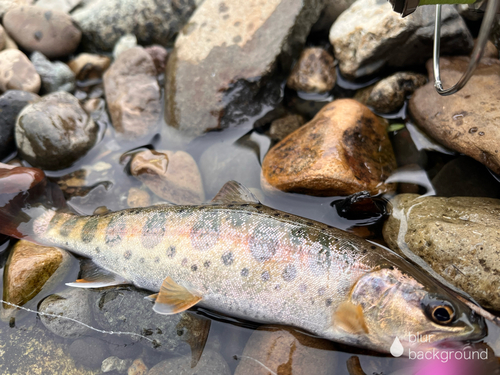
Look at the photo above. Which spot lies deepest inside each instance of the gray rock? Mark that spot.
(56, 76)
(457, 237)
(11, 103)
(62, 5)
(314, 72)
(17, 72)
(210, 363)
(104, 22)
(116, 364)
(281, 127)
(393, 40)
(71, 303)
(126, 42)
(54, 132)
(89, 352)
(218, 74)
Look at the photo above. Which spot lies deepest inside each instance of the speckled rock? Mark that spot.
(125, 42)
(104, 22)
(11, 103)
(55, 76)
(50, 32)
(457, 237)
(211, 78)
(389, 94)
(89, 352)
(62, 5)
(284, 126)
(173, 176)
(468, 121)
(137, 368)
(159, 55)
(314, 72)
(138, 198)
(285, 351)
(344, 149)
(210, 363)
(133, 94)
(71, 303)
(89, 66)
(116, 364)
(17, 72)
(370, 35)
(68, 131)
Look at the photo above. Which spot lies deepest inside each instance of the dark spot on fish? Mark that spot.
(302, 288)
(206, 264)
(263, 243)
(265, 276)
(245, 205)
(205, 232)
(184, 262)
(277, 287)
(320, 256)
(237, 219)
(297, 236)
(171, 251)
(55, 220)
(194, 267)
(157, 260)
(127, 254)
(154, 230)
(115, 231)
(141, 260)
(258, 207)
(89, 229)
(68, 226)
(67, 243)
(244, 272)
(227, 258)
(309, 223)
(289, 273)
(230, 205)
(286, 216)
(321, 291)
(276, 214)
(328, 302)
(97, 250)
(373, 247)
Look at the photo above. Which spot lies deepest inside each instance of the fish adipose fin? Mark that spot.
(93, 276)
(174, 298)
(234, 192)
(349, 318)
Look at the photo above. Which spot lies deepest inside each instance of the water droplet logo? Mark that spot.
(396, 348)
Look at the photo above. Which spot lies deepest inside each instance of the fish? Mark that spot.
(240, 258)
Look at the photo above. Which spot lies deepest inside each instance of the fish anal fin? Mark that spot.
(174, 298)
(349, 318)
(234, 192)
(92, 276)
(152, 297)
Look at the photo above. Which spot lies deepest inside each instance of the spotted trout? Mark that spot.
(243, 259)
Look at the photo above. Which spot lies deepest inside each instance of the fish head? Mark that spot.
(417, 311)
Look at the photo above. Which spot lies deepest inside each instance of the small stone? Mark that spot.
(2, 38)
(314, 72)
(285, 351)
(87, 66)
(126, 42)
(62, 5)
(457, 237)
(210, 363)
(6, 5)
(133, 93)
(9, 42)
(137, 368)
(389, 94)
(71, 303)
(56, 76)
(11, 103)
(68, 132)
(159, 55)
(17, 72)
(89, 352)
(50, 32)
(138, 198)
(343, 150)
(173, 176)
(284, 126)
(116, 364)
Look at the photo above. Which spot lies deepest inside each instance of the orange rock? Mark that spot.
(344, 149)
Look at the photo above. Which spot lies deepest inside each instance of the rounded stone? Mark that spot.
(210, 363)
(159, 55)
(17, 72)
(54, 132)
(314, 72)
(89, 352)
(138, 198)
(51, 32)
(56, 76)
(89, 66)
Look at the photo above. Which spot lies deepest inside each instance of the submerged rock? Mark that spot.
(89, 66)
(138, 198)
(314, 72)
(219, 72)
(56, 76)
(281, 127)
(54, 132)
(137, 368)
(457, 237)
(344, 149)
(89, 352)
(171, 175)
(17, 72)
(116, 364)
(210, 363)
(468, 121)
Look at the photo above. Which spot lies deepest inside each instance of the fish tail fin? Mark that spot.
(25, 195)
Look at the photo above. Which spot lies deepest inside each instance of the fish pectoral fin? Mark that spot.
(349, 317)
(174, 298)
(234, 192)
(92, 276)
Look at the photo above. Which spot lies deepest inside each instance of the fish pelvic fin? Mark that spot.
(92, 276)
(174, 298)
(234, 192)
(349, 318)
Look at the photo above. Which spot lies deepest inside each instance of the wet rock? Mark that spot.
(138, 198)
(159, 55)
(56, 76)
(284, 351)
(133, 93)
(126, 42)
(171, 175)
(50, 32)
(17, 72)
(218, 73)
(54, 132)
(104, 22)
(87, 66)
(116, 364)
(457, 237)
(137, 368)
(62, 5)
(466, 122)
(71, 303)
(88, 352)
(2, 38)
(344, 149)
(370, 35)
(281, 127)
(6, 5)
(11, 103)
(314, 72)
(210, 363)
(389, 94)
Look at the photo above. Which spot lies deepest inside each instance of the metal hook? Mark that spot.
(477, 53)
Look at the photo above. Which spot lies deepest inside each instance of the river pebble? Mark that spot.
(17, 72)
(284, 126)
(138, 368)
(210, 363)
(55, 76)
(125, 42)
(87, 66)
(89, 352)
(159, 55)
(314, 72)
(138, 198)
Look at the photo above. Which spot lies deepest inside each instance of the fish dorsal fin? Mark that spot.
(92, 276)
(174, 298)
(234, 192)
(349, 318)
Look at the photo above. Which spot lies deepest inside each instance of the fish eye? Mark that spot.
(443, 314)
(438, 310)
